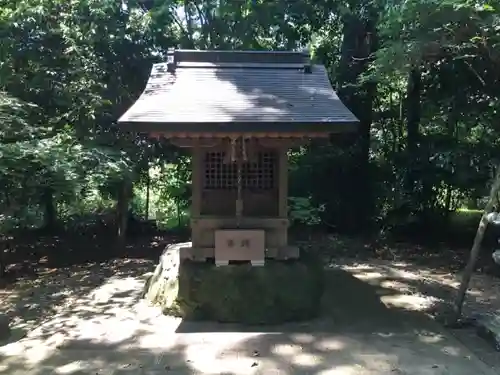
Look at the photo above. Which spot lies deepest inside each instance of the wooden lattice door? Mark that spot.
(259, 180)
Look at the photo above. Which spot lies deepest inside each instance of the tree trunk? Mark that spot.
(413, 123)
(3, 263)
(148, 193)
(447, 200)
(358, 46)
(50, 212)
(452, 123)
(476, 247)
(188, 14)
(401, 120)
(122, 205)
(177, 204)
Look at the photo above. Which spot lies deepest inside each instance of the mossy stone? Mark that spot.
(4, 327)
(274, 293)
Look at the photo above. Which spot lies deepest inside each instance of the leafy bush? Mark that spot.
(302, 211)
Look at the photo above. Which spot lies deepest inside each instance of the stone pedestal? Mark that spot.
(279, 291)
(4, 327)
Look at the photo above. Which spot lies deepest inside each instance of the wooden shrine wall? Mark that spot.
(259, 181)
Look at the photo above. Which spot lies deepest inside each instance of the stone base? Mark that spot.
(201, 254)
(488, 327)
(279, 291)
(4, 327)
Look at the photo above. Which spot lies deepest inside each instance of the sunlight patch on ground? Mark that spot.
(220, 352)
(404, 301)
(396, 279)
(396, 284)
(285, 350)
(305, 360)
(304, 338)
(365, 276)
(451, 350)
(230, 364)
(430, 338)
(70, 368)
(32, 352)
(341, 370)
(329, 344)
(109, 315)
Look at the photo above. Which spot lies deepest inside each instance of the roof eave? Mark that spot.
(344, 126)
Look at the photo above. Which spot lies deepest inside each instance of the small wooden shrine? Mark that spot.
(239, 112)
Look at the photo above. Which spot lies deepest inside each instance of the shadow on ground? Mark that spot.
(62, 270)
(90, 320)
(350, 304)
(109, 331)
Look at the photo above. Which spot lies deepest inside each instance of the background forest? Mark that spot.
(423, 77)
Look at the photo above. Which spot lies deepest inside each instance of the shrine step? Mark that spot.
(255, 263)
(204, 254)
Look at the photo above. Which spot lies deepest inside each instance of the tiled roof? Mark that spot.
(245, 87)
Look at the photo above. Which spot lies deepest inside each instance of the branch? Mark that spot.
(361, 58)
(476, 247)
(475, 72)
(205, 21)
(178, 22)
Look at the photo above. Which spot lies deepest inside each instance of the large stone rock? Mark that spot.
(488, 327)
(4, 327)
(277, 292)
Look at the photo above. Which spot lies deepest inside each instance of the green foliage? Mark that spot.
(68, 69)
(302, 211)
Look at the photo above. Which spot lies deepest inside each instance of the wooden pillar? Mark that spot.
(284, 251)
(283, 182)
(196, 181)
(196, 191)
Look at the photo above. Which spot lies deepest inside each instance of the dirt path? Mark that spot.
(91, 321)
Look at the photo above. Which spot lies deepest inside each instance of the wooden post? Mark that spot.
(283, 194)
(476, 247)
(239, 192)
(283, 182)
(196, 190)
(196, 181)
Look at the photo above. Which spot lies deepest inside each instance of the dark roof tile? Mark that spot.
(232, 91)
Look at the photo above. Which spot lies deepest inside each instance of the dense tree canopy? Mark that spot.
(423, 77)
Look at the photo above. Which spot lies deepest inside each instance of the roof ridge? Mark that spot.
(243, 65)
(239, 56)
(239, 59)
